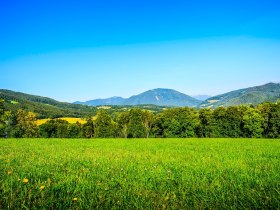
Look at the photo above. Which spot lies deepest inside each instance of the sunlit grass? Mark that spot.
(139, 173)
(14, 102)
(68, 119)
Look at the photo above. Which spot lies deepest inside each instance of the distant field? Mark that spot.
(69, 119)
(139, 174)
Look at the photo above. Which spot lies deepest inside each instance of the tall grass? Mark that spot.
(139, 174)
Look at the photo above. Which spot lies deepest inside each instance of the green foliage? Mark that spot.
(177, 122)
(140, 174)
(5, 120)
(148, 120)
(122, 124)
(44, 107)
(88, 128)
(274, 121)
(48, 129)
(228, 122)
(207, 124)
(62, 129)
(253, 121)
(136, 128)
(74, 129)
(26, 125)
(104, 125)
(2, 123)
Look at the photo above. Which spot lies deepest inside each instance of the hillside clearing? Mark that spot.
(68, 119)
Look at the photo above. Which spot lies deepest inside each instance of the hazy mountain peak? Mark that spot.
(158, 96)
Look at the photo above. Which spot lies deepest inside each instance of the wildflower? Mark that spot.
(75, 199)
(42, 187)
(25, 181)
(9, 172)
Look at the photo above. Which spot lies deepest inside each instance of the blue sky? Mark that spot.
(81, 50)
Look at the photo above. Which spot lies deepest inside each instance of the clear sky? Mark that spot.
(82, 50)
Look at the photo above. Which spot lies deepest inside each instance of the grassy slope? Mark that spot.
(134, 174)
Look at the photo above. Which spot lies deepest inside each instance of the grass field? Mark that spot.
(139, 174)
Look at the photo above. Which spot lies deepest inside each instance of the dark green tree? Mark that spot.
(233, 122)
(274, 121)
(26, 124)
(177, 122)
(252, 121)
(265, 110)
(220, 120)
(2, 119)
(74, 130)
(88, 128)
(48, 129)
(148, 120)
(122, 124)
(104, 125)
(206, 126)
(136, 127)
(62, 128)
(158, 128)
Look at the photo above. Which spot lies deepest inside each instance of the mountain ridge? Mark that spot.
(251, 95)
(157, 96)
(48, 107)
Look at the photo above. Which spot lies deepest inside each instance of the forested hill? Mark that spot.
(45, 107)
(159, 96)
(253, 95)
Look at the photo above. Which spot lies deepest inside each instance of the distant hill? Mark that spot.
(253, 95)
(108, 101)
(162, 97)
(159, 97)
(44, 107)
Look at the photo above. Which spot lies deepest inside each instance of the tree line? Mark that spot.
(258, 121)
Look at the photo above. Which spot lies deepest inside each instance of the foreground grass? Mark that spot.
(139, 174)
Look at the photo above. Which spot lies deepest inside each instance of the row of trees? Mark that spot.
(236, 121)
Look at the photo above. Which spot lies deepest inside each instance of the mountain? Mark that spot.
(159, 97)
(201, 97)
(252, 95)
(162, 97)
(108, 101)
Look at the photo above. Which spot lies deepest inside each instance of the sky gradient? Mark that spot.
(82, 50)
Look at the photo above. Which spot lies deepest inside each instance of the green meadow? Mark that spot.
(139, 174)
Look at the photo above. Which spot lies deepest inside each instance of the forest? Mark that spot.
(261, 121)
